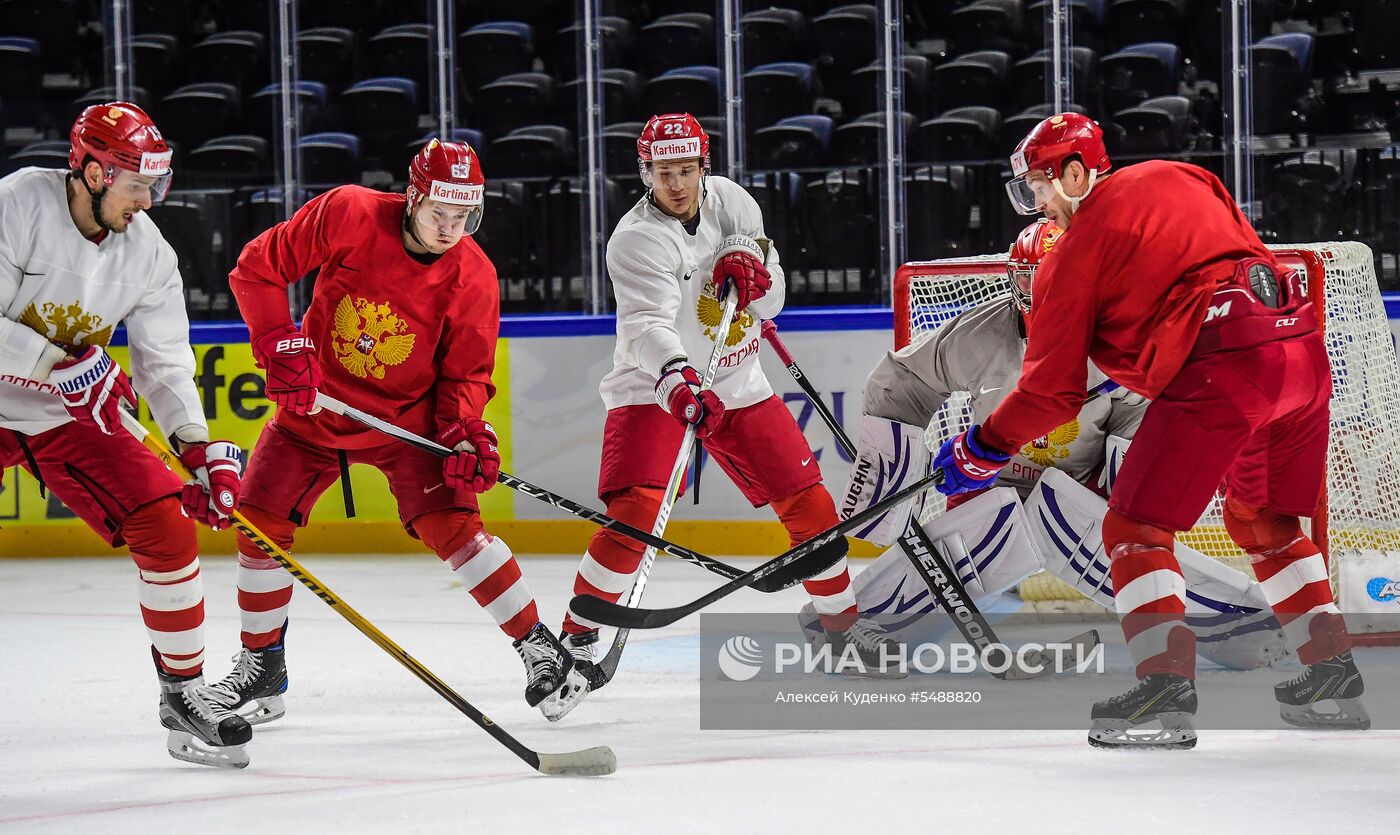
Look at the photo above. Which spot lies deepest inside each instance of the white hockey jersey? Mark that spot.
(59, 288)
(666, 305)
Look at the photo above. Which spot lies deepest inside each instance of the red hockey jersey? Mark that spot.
(1128, 285)
(411, 342)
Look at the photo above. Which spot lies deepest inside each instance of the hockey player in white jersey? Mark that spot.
(670, 260)
(78, 257)
(1052, 488)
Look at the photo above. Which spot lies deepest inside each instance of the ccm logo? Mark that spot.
(1217, 312)
(295, 343)
(1283, 323)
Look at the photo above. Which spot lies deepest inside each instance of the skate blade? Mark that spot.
(1177, 732)
(262, 711)
(1350, 715)
(590, 762)
(558, 704)
(183, 746)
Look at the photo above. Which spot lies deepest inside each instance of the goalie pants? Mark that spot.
(128, 497)
(761, 449)
(287, 474)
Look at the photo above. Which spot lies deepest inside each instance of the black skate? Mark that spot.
(585, 677)
(202, 730)
(547, 664)
(1337, 679)
(258, 680)
(1167, 699)
(880, 657)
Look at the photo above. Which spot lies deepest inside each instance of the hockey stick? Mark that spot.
(613, 614)
(588, 762)
(940, 577)
(331, 404)
(608, 666)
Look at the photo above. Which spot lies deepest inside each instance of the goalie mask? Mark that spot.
(448, 172)
(1024, 259)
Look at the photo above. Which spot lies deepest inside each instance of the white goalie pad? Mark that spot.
(890, 456)
(1225, 608)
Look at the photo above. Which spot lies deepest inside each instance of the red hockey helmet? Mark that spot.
(1026, 251)
(121, 137)
(1046, 149)
(672, 136)
(449, 172)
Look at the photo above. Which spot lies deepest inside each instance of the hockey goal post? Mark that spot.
(1357, 522)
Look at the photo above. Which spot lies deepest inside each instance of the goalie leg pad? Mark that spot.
(890, 456)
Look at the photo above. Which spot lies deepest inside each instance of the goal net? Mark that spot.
(1357, 523)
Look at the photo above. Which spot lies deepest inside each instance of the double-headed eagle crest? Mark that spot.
(66, 325)
(368, 337)
(1046, 450)
(709, 311)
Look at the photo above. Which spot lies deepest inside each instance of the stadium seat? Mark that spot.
(196, 113)
(617, 37)
(1137, 21)
(962, 134)
(772, 35)
(794, 142)
(988, 24)
(845, 39)
(1086, 23)
(1311, 197)
(383, 112)
(861, 141)
(236, 160)
(1139, 72)
(330, 158)
(693, 90)
(1161, 125)
(505, 234)
(677, 40)
(263, 209)
(53, 23)
(171, 17)
(534, 151)
(867, 89)
(620, 147)
(488, 51)
(841, 212)
(978, 78)
(49, 153)
(778, 194)
(155, 61)
(239, 58)
(622, 97)
(939, 202)
(515, 100)
(773, 92)
(21, 73)
(1015, 128)
(327, 54)
(1281, 67)
(260, 110)
(471, 136)
(1028, 76)
(360, 18)
(101, 95)
(402, 51)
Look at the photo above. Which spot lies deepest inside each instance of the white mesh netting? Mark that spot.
(1363, 478)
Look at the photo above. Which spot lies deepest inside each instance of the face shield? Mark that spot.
(452, 209)
(1030, 192)
(129, 186)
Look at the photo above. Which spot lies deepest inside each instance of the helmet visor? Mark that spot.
(1029, 196)
(129, 185)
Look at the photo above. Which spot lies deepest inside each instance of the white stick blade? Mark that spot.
(590, 762)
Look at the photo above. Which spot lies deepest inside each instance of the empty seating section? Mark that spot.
(975, 75)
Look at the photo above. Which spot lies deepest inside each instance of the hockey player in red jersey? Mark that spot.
(78, 257)
(670, 258)
(1162, 282)
(403, 325)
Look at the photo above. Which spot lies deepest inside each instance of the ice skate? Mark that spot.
(1169, 700)
(879, 655)
(257, 682)
(202, 730)
(585, 677)
(547, 664)
(1336, 679)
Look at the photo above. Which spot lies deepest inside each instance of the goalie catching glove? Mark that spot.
(739, 261)
(289, 359)
(476, 464)
(678, 391)
(93, 388)
(967, 463)
(211, 497)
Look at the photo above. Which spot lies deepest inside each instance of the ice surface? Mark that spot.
(365, 747)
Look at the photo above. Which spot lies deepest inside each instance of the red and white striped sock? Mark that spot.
(805, 514)
(610, 563)
(172, 606)
(264, 596)
(1294, 580)
(1150, 595)
(488, 569)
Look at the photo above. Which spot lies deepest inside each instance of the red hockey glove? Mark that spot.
(293, 375)
(93, 387)
(212, 496)
(968, 464)
(678, 392)
(477, 462)
(740, 261)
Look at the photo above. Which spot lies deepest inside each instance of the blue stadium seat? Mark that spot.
(776, 91)
(327, 54)
(1281, 71)
(794, 142)
(239, 58)
(693, 90)
(978, 78)
(512, 101)
(488, 51)
(330, 158)
(1139, 72)
(988, 24)
(260, 109)
(677, 40)
(962, 134)
(383, 112)
(199, 112)
(772, 35)
(861, 141)
(402, 51)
